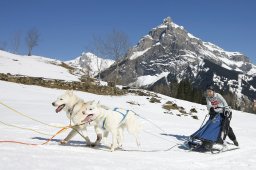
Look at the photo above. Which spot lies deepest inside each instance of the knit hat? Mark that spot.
(210, 87)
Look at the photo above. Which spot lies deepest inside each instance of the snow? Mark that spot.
(252, 88)
(161, 26)
(230, 62)
(252, 71)
(36, 102)
(208, 53)
(164, 26)
(148, 37)
(225, 66)
(137, 54)
(176, 26)
(34, 66)
(189, 56)
(212, 47)
(192, 36)
(148, 79)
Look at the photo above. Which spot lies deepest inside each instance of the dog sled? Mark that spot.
(210, 137)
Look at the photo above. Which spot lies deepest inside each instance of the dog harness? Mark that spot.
(116, 110)
(123, 114)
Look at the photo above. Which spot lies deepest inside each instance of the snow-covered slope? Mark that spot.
(34, 66)
(153, 154)
(90, 64)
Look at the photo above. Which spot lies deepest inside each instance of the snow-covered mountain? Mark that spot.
(169, 53)
(161, 138)
(34, 66)
(90, 64)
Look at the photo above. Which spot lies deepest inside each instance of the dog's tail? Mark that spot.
(134, 126)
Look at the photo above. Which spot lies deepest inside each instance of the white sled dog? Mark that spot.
(73, 105)
(113, 121)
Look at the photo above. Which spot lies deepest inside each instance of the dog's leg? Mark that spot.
(73, 132)
(105, 136)
(137, 140)
(114, 140)
(86, 138)
(70, 136)
(99, 136)
(120, 137)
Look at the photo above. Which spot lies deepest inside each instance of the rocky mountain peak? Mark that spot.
(167, 21)
(170, 53)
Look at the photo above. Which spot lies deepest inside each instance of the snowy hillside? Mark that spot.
(34, 66)
(153, 154)
(90, 64)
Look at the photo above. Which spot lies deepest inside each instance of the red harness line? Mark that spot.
(32, 144)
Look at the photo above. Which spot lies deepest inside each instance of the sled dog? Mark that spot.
(113, 121)
(72, 105)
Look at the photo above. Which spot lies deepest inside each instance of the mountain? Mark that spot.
(90, 64)
(169, 54)
(35, 66)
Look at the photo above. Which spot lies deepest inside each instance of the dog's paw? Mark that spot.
(89, 144)
(63, 142)
(112, 149)
(93, 145)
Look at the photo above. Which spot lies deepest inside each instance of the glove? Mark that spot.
(212, 113)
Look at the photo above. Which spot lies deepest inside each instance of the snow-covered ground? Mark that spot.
(154, 154)
(34, 66)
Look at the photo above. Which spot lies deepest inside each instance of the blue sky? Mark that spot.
(66, 27)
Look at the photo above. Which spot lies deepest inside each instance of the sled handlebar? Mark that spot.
(226, 110)
(224, 107)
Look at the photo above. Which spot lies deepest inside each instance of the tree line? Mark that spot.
(186, 91)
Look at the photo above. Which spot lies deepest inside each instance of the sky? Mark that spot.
(66, 27)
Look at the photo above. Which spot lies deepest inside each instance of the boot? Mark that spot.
(235, 142)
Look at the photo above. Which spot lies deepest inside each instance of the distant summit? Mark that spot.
(90, 64)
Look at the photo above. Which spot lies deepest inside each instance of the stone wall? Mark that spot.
(86, 86)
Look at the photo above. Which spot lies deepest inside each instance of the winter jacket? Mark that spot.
(216, 101)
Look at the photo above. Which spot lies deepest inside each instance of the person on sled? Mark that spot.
(216, 104)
